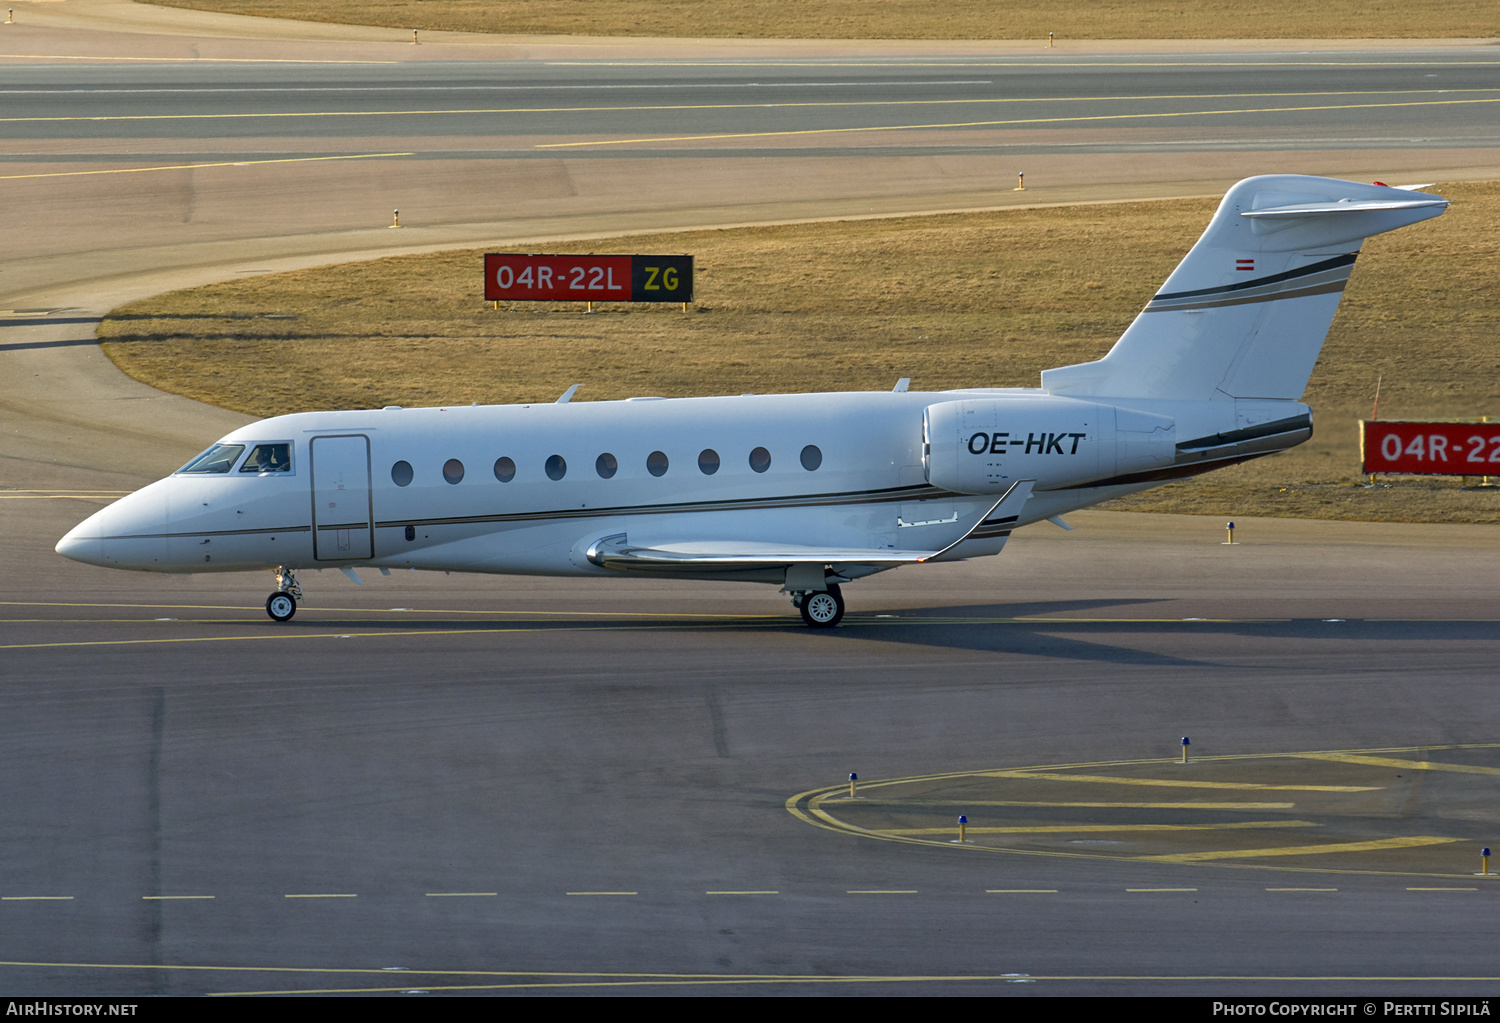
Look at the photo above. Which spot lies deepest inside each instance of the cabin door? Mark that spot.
(343, 516)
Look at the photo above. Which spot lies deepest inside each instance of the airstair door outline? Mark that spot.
(343, 513)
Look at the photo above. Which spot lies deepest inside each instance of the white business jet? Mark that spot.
(803, 491)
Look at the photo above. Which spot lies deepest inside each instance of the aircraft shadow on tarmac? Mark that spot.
(998, 628)
(1028, 629)
(1032, 630)
(1048, 629)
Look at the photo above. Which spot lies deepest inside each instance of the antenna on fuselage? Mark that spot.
(567, 395)
(902, 385)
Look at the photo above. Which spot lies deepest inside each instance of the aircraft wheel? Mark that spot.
(281, 606)
(823, 609)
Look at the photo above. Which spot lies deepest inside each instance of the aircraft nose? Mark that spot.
(81, 544)
(97, 539)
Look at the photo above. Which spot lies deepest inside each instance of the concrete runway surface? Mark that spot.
(488, 784)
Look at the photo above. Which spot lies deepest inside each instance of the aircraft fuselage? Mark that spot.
(525, 489)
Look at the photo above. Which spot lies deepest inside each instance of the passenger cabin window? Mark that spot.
(556, 467)
(811, 457)
(505, 469)
(219, 458)
(656, 463)
(401, 473)
(269, 458)
(708, 461)
(606, 465)
(760, 459)
(453, 471)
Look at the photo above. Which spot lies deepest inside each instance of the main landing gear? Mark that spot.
(821, 609)
(282, 604)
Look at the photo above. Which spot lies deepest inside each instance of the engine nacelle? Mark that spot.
(983, 445)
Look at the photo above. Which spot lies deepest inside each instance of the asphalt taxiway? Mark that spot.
(540, 785)
(442, 783)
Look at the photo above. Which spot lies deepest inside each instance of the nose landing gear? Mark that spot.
(282, 604)
(821, 609)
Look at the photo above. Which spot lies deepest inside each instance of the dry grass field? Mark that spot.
(901, 19)
(955, 300)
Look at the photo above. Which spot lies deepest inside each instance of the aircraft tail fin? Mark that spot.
(1245, 313)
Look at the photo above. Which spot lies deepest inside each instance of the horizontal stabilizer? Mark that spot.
(1318, 209)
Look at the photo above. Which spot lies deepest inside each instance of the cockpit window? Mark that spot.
(269, 458)
(219, 458)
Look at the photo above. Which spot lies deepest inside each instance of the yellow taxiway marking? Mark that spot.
(1175, 784)
(1041, 770)
(131, 621)
(201, 166)
(459, 895)
(186, 60)
(1020, 891)
(1053, 829)
(1330, 849)
(387, 610)
(1301, 889)
(920, 803)
(1161, 889)
(881, 891)
(1442, 889)
(1020, 62)
(165, 898)
(1415, 765)
(914, 619)
(744, 893)
(583, 978)
(36, 898)
(322, 895)
(38, 494)
(280, 637)
(604, 893)
(809, 104)
(814, 806)
(748, 981)
(529, 614)
(1075, 119)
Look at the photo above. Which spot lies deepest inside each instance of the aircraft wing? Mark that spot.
(619, 553)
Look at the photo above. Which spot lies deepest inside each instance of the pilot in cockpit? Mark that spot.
(269, 458)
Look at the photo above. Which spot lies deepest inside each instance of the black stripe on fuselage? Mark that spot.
(1289, 275)
(1167, 472)
(1290, 424)
(1324, 288)
(210, 533)
(922, 492)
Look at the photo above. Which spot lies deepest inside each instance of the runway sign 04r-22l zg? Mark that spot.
(1430, 449)
(516, 278)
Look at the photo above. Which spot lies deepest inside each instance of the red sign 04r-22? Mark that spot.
(1430, 449)
(543, 278)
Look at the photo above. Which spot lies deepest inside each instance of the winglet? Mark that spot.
(998, 521)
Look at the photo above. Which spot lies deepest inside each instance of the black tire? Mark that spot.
(823, 609)
(281, 605)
